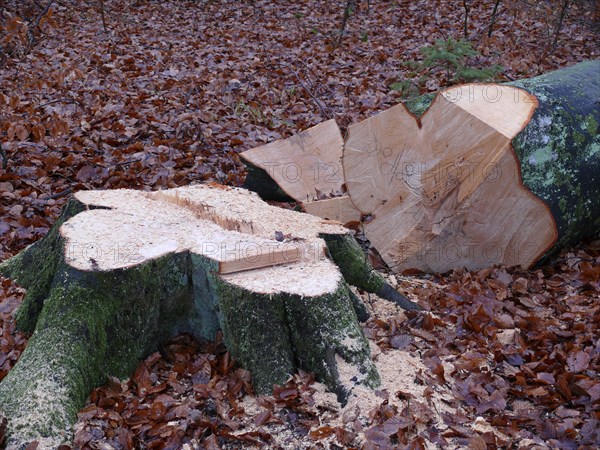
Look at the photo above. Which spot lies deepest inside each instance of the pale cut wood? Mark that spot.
(340, 209)
(557, 153)
(231, 226)
(261, 259)
(445, 191)
(305, 163)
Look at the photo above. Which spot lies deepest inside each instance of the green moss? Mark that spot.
(259, 181)
(562, 204)
(578, 138)
(419, 105)
(353, 262)
(93, 325)
(34, 269)
(255, 332)
(328, 325)
(275, 335)
(206, 317)
(254, 326)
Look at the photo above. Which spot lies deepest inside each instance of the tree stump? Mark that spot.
(122, 271)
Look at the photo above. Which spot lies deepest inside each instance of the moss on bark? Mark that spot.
(322, 327)
(92, 325)
(353, 263)
(274, 335)
(419, 105)
(255, 331)
(357, 271)
(34, 268)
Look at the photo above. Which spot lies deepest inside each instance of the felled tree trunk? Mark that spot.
(488, 174)
(122, 271)
(444, 191)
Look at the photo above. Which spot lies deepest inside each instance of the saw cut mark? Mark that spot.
(204, 211)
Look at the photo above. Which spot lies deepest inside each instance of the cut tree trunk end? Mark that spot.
(489, 174)
(445, 191)
(122, 271)
(559, 149)
(558, 161)
(305, 166)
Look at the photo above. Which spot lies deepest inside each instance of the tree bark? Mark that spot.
(493, 19)
(357, 271)
(96, 311)
(559, 150)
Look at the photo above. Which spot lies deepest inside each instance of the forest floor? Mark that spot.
(164, 94)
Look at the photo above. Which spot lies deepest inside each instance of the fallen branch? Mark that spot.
(327, 116)
(35, 25)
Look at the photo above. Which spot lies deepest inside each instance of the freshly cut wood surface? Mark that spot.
(446, 191)
(233, 227)
(336, 208)
(305, 163)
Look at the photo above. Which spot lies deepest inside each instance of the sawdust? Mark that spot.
(257, 246)
(402, 378)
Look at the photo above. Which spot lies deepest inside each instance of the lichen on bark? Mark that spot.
(559, 150)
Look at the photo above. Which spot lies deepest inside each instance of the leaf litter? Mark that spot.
(169, 93)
